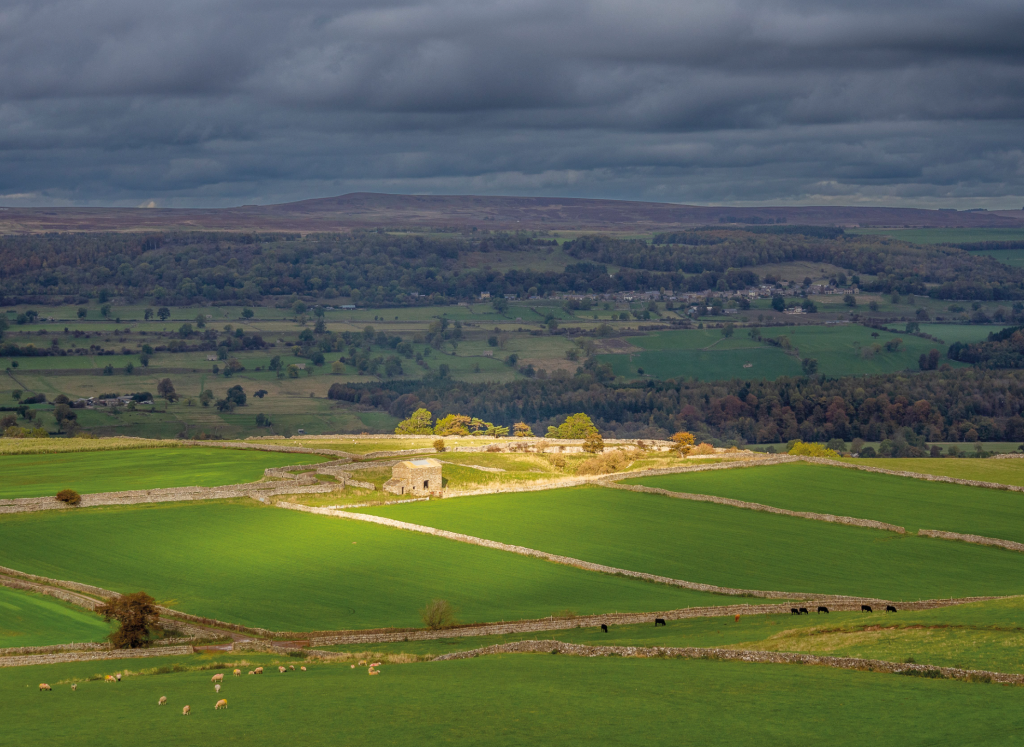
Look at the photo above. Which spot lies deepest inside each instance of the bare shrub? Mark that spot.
(438, 614)
(703, 448)
(593, 443)
(69, 496)
(611, 461)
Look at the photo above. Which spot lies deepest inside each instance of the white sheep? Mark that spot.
(186, 710)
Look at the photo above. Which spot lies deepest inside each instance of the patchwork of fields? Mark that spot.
(261, 566)
(904, 501)
(721, 545)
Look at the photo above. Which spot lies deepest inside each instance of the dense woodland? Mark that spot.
(966, 405)
(379, 269)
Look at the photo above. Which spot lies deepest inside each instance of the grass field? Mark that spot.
(721, 545)
(841, 350)
(1003, 471)
(242, 562)
(984, 635)
(1009, 257)
(512, 699)
(28, 619)
(30, 475)
(914, 504)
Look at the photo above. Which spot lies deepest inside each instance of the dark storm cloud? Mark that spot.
(210, 103)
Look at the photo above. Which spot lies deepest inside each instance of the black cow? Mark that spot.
(803, 611)
(794, 611)
(889, 608)
(658, 621)
(822, 609)
(865, 608)
(604, 628)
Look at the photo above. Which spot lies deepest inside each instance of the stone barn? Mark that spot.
(415, 477)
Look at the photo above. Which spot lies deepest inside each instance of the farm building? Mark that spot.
(415, 477)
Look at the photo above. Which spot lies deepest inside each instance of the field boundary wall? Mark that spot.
(71, 656)
(974, 539)
(723, 654)
(561, 559)
(831, 518)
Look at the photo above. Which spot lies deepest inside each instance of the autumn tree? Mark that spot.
(522, 430)
(684, 441)
(137, 616)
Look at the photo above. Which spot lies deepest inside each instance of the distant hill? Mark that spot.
(369, 210)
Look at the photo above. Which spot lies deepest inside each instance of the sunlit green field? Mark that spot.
(904, 501)
(1002, 471)
(30, 475)
(28, 619)
(722, 545)
(511, 699)
(269, 567)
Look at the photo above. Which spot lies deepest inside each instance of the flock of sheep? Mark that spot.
(218, 679)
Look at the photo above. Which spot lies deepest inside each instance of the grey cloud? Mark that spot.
(213, 103)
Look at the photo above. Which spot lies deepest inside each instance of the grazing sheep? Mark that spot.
(737, 618)
(238, 672)
(44, 686)
(217, 677)
(292, 667)
(353, 666)
(109, 678)
(222, 703)
(118, 676)
(186, 710)
(250, 671)
(163, 699)
(216, 689)
(74, 687)
(302, 668)
(258, 670)
(375, 664)
(372, 671)
(282, 670)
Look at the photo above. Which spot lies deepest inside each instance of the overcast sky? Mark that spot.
(746, 102)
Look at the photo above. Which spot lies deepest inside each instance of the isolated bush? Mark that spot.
(812, 450)
(439, 446)
(703, 448)
(610, 461)
(69, 496)
(438, 614)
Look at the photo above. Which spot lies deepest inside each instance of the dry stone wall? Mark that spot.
(560, 559)
(69, 656)
(852, 521)
(722, 654)
(914, 475)
(973, 539)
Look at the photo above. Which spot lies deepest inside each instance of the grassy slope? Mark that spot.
(1003, 471)
(284, 570)
(26, 476)
(983, 635)
(914, 504)
(513, 699)
(706, 355)
(36, 620)
(721, 545)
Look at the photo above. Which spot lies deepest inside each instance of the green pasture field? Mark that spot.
(509, 699)
(714, 544)
(983, 635)
(950, 333)
(905, 501)
(839, 350)
(246, 563)
(944, 235)
(1003, 471)
(28, 619)
(1009, 257)
(31, 475)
